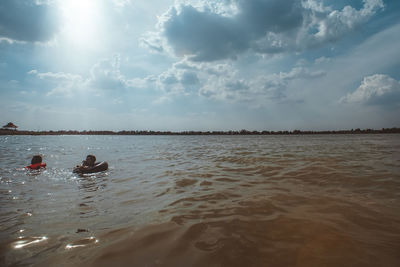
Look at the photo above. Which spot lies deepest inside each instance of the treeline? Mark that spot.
(241, 132)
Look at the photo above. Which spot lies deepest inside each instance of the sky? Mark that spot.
(200, 65)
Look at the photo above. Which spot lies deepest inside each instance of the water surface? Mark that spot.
(307, 200)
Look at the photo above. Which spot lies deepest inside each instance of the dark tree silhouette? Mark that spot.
(10, 126)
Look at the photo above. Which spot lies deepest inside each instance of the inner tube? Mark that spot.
(98, 167)
(36, 166)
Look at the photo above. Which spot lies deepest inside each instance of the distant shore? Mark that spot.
(241, 132)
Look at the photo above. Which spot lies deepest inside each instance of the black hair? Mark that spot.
(36, 159)
(92, 156)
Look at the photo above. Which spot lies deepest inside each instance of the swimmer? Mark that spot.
(90, 165)
(36, 163)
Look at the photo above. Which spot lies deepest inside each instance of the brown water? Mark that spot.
(328, 200)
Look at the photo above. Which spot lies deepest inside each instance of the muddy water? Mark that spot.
(329, 200)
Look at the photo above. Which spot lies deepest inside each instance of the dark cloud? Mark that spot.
(205, 35)
(26, 20)
(177, 80)
(263, 26)
(274, 15)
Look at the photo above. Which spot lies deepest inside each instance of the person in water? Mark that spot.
(90, 161)
(90, 165)
(36, 163)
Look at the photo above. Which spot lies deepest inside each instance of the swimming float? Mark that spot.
(98, 167)
(36, 166)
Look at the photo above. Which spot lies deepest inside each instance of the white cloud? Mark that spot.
(207, 32)
(57, 76)
(162, 100)
(322, 60)
(32, 72)
(377, 54)
(377, 89)
(66, 84)
(104, 75)
(225, 82)
(337, 23)
(259, 90)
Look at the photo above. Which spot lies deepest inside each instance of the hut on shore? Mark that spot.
(10, 126)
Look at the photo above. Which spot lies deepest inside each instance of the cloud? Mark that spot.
(224, 82)
(179, 79)
(208, 32)
(322, 60)
(377, 89)
(104, 76)
(259, 91)
(27, 21)
(337, 23)
(153, 42)
(204, 36)
(66, 84)
(58, 76)
(189, 78)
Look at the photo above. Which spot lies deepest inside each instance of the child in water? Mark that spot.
(90, 165)
(36, 163)
(90, 161)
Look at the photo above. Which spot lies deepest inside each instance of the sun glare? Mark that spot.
(82, 21)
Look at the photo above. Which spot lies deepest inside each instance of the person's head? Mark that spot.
(36, 159)
(90, 160)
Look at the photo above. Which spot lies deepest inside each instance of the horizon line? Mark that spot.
(192, 132)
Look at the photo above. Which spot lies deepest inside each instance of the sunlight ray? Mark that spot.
(82, 21)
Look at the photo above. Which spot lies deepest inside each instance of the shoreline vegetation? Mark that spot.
(241, 132)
